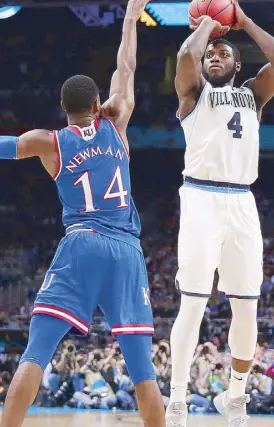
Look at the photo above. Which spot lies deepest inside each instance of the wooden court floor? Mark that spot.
(89, 419)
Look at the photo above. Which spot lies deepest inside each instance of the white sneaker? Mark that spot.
(234, 410)
(176, 414)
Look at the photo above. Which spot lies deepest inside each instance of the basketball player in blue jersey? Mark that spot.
(99, 261)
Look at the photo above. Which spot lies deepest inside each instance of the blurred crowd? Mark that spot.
(93, 375)
(34, 67)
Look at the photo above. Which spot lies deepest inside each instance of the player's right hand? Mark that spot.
(216, 26)
(135, 8)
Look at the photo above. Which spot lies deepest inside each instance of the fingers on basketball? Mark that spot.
(222, 11)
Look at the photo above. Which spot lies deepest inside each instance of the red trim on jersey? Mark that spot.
(132, 330)
(120, 136)
(60, 313)
(75, 129)
(59, 158)
(97, 124)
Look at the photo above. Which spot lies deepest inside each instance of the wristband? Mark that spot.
(8, 147)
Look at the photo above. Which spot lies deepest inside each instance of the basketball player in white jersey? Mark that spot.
(219, 226)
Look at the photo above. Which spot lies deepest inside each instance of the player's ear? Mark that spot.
(62, 106)
(96, 106)
(238, 66)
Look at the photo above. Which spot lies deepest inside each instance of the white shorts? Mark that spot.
(219, 230)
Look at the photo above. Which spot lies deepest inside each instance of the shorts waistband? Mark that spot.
(79, 227)
(216, 186)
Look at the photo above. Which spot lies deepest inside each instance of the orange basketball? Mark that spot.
(222, 11)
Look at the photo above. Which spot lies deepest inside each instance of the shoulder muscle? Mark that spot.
(38, 142)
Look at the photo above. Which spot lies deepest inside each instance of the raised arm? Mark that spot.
(36, 143)
(189, 80)
(263, 84)
(121, 99)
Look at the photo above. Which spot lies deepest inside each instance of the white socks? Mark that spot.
(238, 384)
(178, 393)
(242, 341)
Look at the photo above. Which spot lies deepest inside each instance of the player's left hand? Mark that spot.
(135, 8)
(240, 17)
(217, 27)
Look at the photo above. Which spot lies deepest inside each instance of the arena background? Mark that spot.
(41, 45)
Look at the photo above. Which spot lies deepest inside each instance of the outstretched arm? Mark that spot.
(263, 84)
(36, 143)
(121, 101)
(189, 80)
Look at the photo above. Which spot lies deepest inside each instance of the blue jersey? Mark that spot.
(93, 181)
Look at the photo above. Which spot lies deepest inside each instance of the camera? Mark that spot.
(71, 349)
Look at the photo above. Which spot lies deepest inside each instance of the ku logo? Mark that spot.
(88, 133)
(146, 295)
(47, 282)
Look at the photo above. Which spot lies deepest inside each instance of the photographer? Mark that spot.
(260, 387)
(65, 378)
(96, 368)
(161, 357)
(203, 370)
(115, 374)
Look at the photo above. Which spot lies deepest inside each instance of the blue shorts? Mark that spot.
(90, 269)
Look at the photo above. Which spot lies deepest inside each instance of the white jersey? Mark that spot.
(222, 136)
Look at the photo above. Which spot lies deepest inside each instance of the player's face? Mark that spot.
(220, 66)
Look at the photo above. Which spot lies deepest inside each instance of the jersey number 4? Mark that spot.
(235, 125)
(87, 187)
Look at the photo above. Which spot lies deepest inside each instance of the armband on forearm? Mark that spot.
(8, 147)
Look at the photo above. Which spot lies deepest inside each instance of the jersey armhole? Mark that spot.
(195, 107)
(259, 110)
(119, 136)
(58, 153)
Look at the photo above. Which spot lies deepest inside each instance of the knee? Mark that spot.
(244, 311)
(54, 378)
(190, 314)
(192, 307)
(111, 401)
(241, 341)
(123, 397)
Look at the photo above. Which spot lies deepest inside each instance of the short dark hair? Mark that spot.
(236, 52)
(78, 94)
(257, 369)
(219, 366)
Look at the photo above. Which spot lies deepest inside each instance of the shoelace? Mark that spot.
(242, 402)
(175, 424)
(240, 422)
(179, 412)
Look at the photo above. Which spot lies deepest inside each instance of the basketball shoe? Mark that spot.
(234, 410)
(176, 414)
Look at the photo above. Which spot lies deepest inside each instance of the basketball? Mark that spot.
(222, 11)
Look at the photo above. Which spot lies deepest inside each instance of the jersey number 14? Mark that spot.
(235, 125)
(109, 194)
